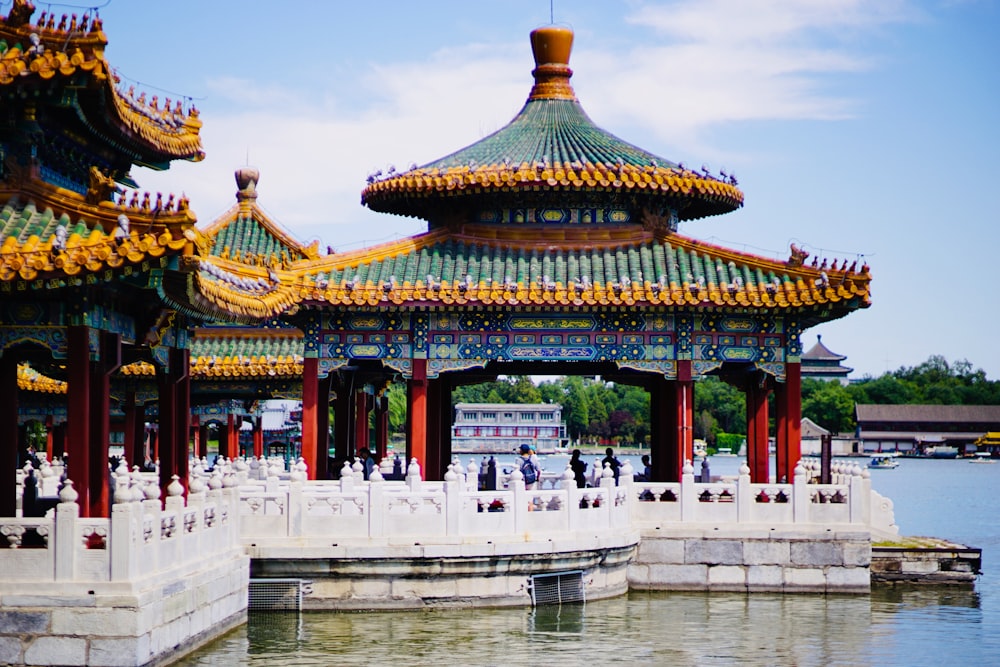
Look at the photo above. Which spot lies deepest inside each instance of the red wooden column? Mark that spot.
(757, 428)
(100, 422)
(416, 437)
(226, 441)
(175, 426)
(684, 409)
(341, 425)
(788, 405)
(361, 433)
(323, 430)
(78, 413)
(310, 396)
(203, 434)
(196, 443)
(434, 469)
(182, 361)
(49, 428)
(58, 435)
(139, 451)
(258, 436)
(128, 429)
(167, 422)
(8, 424)
(381, 427)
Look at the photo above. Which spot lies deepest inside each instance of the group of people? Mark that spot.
(579, 468)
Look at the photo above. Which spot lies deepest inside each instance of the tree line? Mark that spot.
(598, 412)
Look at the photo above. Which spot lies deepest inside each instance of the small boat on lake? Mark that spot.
(942, 452)
(724, 451)
(883, 460)
(982, 457)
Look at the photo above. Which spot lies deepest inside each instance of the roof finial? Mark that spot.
(551, 46)
(246, 182)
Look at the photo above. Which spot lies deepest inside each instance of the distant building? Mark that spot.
(812, 440)
(823, 364)
(502, 427)
(915, 428)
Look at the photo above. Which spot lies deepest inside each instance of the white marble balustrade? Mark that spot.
(353, 509)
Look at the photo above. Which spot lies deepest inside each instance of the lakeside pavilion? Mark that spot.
(553, 247)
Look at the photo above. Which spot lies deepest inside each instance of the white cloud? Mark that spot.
(692, 65)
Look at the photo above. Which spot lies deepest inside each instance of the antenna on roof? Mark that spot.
(552, 11)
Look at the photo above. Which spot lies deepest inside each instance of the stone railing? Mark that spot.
(355, 509)
(739, 501)
(142, 537)
(380, 510)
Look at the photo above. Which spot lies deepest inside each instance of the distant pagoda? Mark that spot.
(823, 364)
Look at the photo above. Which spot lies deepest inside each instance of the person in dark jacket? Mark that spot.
(610, 460)
(579, 469)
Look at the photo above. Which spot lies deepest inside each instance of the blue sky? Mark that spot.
(857, 129)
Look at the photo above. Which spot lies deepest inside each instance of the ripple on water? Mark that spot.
(891, 627)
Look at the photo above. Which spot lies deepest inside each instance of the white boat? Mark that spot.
(724, 451)
(982, 457)
(883, 460)
(942, 452)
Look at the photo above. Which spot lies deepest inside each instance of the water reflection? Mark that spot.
(894, 626)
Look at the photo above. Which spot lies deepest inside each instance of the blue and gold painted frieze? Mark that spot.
(641, 340)
(556, 216)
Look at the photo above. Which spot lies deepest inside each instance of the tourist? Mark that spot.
(367, 462)
(531, 469)
(579, 469)
(610, 460)
(647, 469)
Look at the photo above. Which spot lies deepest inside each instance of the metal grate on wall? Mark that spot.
(275, 595)
(557, 588)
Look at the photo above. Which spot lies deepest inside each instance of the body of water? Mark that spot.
(952, 499)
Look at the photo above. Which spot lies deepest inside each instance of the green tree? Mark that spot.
(830, 406)
(397, 407)
(519, 389)
(724, 402)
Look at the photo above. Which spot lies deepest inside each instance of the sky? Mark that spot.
(857, 129)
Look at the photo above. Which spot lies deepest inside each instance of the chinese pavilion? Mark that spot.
(96, 313)
(552, 248)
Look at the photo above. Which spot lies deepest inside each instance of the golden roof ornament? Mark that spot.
(551, 47)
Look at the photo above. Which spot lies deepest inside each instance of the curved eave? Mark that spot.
(229, 367)
(504, 266)
(209, 288)
(422, 192)
(157, 135)
(28, 379)
(31, 249)
(551, 146)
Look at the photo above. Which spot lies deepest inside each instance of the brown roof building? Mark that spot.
(918, 428)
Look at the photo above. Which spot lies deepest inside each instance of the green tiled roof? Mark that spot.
(22, 221)
(547, 132)
(247, 233)
(631, 268)
(246, 346)
(551, 155)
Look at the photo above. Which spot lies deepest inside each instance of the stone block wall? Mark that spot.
(466, 575)
(753, 560)
(122, 624)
